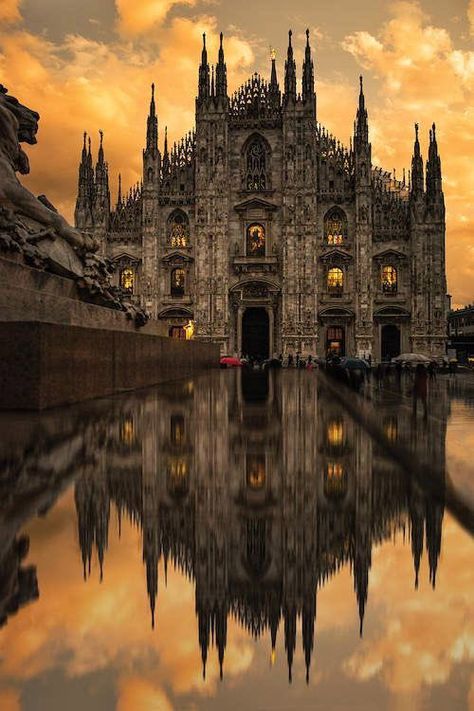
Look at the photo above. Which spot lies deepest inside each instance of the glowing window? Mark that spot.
(255, 240)
(335, 433)
(178, 277)
(127, 279)
(335, 280)
(256, 471)
(389, 279)
(335, 226)
(335, 480)
(178, 230)
(177, 430)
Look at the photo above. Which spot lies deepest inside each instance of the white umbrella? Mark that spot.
(411, 358)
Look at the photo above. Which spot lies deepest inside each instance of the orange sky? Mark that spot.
(415, 641)
(86, 65)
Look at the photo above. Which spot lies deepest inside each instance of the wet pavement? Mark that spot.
(240, 541)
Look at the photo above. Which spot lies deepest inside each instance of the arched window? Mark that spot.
(255, 240)
(389, 279)
(127, 279)
(178, 229)
(335, 226)
(335, 281)
(177, 430)
(177, 282)
(256, 166)
(256, 471)
(335, 480)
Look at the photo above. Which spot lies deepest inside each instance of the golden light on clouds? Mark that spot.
(415, 67)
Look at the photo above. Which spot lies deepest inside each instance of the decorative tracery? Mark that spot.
(178, 229)
(256, 166)
(335, 227)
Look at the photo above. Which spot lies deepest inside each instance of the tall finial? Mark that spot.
(221, 71)
(204, 74)
(290, 73)
(119, 196)
(307, 82)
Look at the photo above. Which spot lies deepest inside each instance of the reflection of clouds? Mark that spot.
(9, 700)
(422, 635)
(85, 628)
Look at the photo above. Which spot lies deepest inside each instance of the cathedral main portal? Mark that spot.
(256, 332)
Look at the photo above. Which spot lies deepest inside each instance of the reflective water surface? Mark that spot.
(236, 542)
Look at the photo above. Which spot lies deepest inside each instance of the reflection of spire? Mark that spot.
(434, 522)
(416, 517)
(308, 619)
(290, 637)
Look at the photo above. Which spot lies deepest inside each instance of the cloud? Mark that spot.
(424, 77)
(137, 694)
(139, 16)
(82, 84)
(10, 10)
(9, 700)
(470, 15)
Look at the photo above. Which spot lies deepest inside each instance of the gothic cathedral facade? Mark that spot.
(261, 232)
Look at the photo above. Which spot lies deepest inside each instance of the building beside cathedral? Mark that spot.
(268, 235)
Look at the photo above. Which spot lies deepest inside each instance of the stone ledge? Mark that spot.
(45, 364)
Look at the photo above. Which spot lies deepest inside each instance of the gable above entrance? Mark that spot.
(255, 204)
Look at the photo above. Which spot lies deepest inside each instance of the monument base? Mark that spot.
(45, 364)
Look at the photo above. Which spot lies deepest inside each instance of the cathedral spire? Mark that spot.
(417, 181)
(434, 188)
(221, 71)
(361, 125)
(308, 74)
(213, 91)
(275, 94)
(152, 126)
(204, 74)
(119, 194)
(166, 155)
(290, 73)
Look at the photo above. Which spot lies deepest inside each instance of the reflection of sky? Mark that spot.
(89, 641)
(90, 644)
(86, 65)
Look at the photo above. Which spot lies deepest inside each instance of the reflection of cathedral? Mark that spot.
(241, 486)
(262, 218)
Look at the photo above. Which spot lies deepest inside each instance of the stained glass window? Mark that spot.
(256, 178)
(255, 240)
(178, 230)
(177, 282)
(335, 226)
(127, 279)
(335, 280)
(389, 279)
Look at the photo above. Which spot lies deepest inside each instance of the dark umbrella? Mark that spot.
(354, 364)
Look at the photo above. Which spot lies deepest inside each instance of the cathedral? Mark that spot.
(261, 232)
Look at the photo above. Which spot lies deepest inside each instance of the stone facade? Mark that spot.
(268, 235)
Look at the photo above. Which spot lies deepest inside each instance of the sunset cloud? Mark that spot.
(140, 16)
(10, 11)
(424, 77)
(416, 71)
